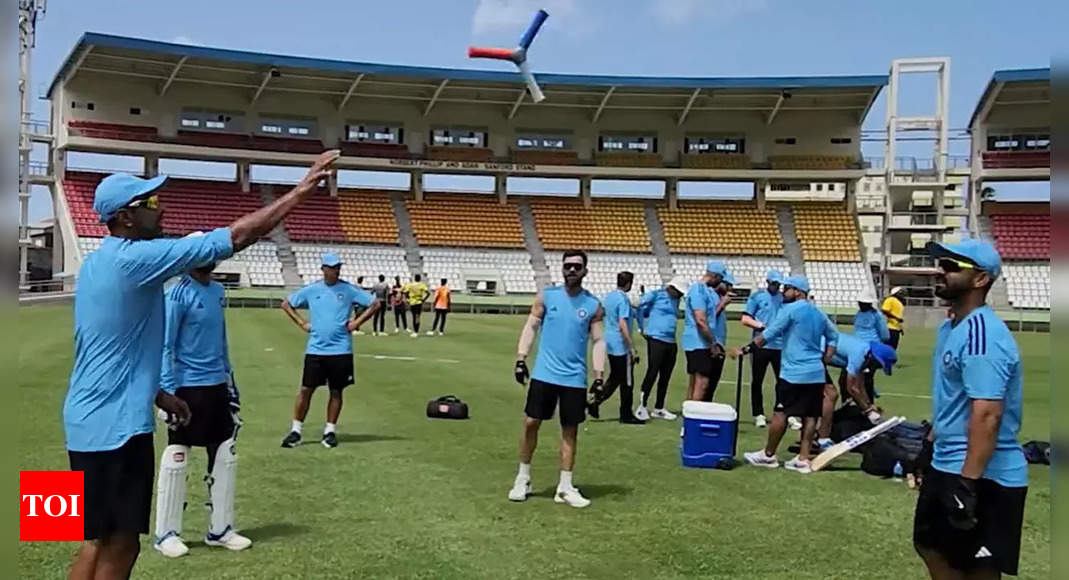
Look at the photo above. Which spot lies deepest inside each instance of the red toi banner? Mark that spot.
(51, 506)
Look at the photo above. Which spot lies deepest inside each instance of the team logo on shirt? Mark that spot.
(947, 358)
(341, 297)
(581, 313)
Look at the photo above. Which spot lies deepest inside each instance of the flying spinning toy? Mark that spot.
(518, 55)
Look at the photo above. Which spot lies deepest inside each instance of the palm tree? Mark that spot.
(987, 193)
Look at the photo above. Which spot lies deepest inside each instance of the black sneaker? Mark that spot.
(631, 420)
(593, 411)
(292, 440)
(330, 440)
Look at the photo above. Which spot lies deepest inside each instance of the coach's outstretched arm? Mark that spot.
(527, 337)
(598, 351)
(251, 227)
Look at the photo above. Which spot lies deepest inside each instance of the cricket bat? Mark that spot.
(839, 449)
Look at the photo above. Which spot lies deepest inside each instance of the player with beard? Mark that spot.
(761, 309)
(569, 317)
(971, 504)
(699, 343)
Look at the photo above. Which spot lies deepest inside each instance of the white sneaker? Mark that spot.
(396, 330)
(230, 540)
(521, 488)
(795, 423)
(759, 459)
(440, 333)
(641, 413)
(663, 414)
(571, 497)
(798, 465)
(430, 333)
(760, 422)
(359, 333)
(825, 444)
(414, 335)
(172, 546)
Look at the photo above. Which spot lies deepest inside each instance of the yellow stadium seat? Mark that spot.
(730, 228)
(465, 221)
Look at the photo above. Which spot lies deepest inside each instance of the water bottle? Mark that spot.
(897, 471)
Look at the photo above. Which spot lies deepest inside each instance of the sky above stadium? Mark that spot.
(642, 37)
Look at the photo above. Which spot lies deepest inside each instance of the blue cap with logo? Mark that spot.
(117, 191)
(729, 278)
(774, 276)
(884, 354)
(979, 253)
(799, 282)
(716, 267)
(331, 260)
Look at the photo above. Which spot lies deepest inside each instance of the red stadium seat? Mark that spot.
(1016, 159)
(1022, 237)
(99, 130)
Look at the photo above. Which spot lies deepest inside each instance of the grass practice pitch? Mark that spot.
(404, 496)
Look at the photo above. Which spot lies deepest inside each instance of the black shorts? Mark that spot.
(799, 399)
(542, 402)
(895, 336)
(995, 543)
(118, 487)
(211, 422)
(333, 370)
(701, 362)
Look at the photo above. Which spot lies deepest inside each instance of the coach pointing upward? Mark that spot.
(118, 348)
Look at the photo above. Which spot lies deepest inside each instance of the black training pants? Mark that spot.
(759, 362)
(660, 360)
(400, 319)
(439, 319)
(621, 376)
(417, 310)
(378, 323)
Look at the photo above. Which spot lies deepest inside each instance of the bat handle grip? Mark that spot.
(496, 53)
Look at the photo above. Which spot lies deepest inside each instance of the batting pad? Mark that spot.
(171, 491)
(221, 485)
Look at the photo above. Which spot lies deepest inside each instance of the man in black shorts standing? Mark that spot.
(328, 359)
(196, 368)
(569, 316)
(118, 348)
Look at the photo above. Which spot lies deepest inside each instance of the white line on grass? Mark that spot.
(405, 358)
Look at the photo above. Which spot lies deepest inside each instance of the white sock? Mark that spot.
(297, 426)
(329, 428)
(524, 472)
(565, 480)
(823, 440)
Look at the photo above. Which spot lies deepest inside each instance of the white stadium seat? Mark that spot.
(603, 267)
(357, 260)
(455, 264)
(838, 283)
(1028, 285)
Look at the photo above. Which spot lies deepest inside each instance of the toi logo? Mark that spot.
(51, 506)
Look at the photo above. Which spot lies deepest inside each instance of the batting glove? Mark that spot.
(521, 372)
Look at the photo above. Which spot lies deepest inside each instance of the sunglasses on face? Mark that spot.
(147, 203)
(573, 267)
(951, 265)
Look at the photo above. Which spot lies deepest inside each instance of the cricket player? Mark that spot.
(761, 309)
(443, 301)
(658, 317)
(328, 358)
(381, 291)
(196, 368)
(971, 504)
(720, 333)
(800, 388)
(623, 354)
(869, 323)
(699, 343)
(416, 293)
(569, 316)
(894, 310)
(858, 360)
(118, 349)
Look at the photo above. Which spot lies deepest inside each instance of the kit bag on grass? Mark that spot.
(447, 407)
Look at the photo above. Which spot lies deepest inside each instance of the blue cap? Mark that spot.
(115, 192)
(716, 267)
(799, 282)
(331, 260)
(980, 253)
(774, 276)
(884, 354)
(729, 278)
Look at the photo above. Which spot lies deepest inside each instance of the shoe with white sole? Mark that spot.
(414, 334)
(795, 423)
(396, 330)
(642, 413)
(521, 488)
(760, 422)
(798, 465)
(663, 414)
(759, 459)
(825, 444)
(571, 497)
(430, 333)
(229, 539)
(171, 546)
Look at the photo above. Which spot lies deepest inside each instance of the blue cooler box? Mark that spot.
(708, 433)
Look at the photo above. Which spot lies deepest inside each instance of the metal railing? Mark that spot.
(912, 261)
(37, 127)
(39, 168)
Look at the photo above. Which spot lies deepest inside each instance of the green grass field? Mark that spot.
(404, 496)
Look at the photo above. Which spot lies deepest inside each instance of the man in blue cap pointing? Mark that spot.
(972, 495)
(118, 350)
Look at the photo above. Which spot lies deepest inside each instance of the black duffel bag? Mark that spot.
(447, 407)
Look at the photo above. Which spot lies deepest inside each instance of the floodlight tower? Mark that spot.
(29, 11)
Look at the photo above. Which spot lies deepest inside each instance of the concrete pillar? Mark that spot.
(152, 165)
(245, 176)
(671, 192)
(851, 196)
(417, 185)
(759, 188)
(332, 184)
(501, 187)
(584, 190)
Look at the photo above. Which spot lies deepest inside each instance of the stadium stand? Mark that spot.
(262, 263)
(603, 268)
(609, 225)
(243, 141)
(444, 153)
(465, 220)
(118, 131)
(1028, 285)
(715, 161)
(78, 188)
(812, 162)
(748, 271)
(317, 219)
(385, 150)
(357, 260)
(1015, 159)
(838, 284)
(458, 265)
(721, 228)
(1021, 237)
(366, 216)
(628, 159)
(827, 232)
(544, 157)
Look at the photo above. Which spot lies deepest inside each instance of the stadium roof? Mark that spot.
(1029, 86)
(168, 63)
